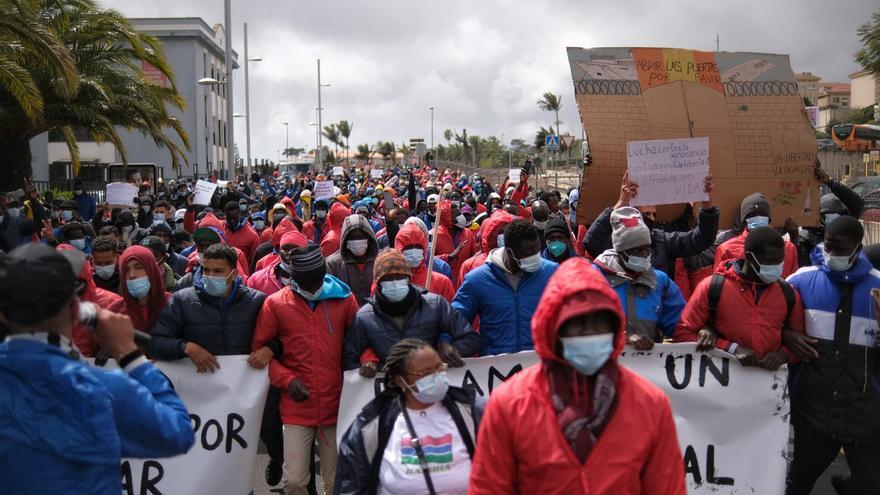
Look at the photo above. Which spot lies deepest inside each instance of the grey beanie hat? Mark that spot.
(831, 204)
(628, 229)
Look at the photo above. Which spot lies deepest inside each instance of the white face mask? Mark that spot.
(461, 221)
(395, 290)
(839, 263)
(13, 212)
(540, 225)
(358, 246)
(637, 263)
(414, 257)
(530, 264)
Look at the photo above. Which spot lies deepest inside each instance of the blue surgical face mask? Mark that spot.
(395, 290)
(138, 287)
(13, 212)
(500, 240)
(430, 389)
(556, 248)
(767, 273)
(838, 263)
(637, 263)
(104, 272)
(530, 264)
(259, 224)
(78, 243)
(67, 215)
(414, 257)
(158, 218)
(587, 354)
(215, 286)
(757, 222)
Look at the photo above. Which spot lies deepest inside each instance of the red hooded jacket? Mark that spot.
(244, 238)
(738, 318)
(111, 301)
(283, 227)
(265, 280)
(143, 317)
(521, 447)
(444, 236)
(491, 229)
(335, 218)
(411, 235)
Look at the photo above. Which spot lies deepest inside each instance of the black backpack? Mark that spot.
(717, 285)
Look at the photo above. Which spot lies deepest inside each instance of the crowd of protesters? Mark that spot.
(409, 272)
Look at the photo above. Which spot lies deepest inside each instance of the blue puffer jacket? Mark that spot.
(838, 394)
(64, 426)
(653, 302)
(505, 313)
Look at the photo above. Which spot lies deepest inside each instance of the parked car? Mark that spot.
(827, 145)
(868, 188)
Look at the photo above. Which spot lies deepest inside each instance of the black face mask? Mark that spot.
(311, 280)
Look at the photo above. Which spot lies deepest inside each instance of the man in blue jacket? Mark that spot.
(504, 292)
(64, 426)
(835, 396)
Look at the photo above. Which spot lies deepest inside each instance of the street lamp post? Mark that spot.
(230, 129)
(247, 99)
(287, 138)
(209, 81)
(432, 130)
(320, 152)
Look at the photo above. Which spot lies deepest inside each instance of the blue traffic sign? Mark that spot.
(551, 142)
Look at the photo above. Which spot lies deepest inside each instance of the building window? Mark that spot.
(82, 134)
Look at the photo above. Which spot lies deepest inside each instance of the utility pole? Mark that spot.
(717, 42)
(247, 100)
(320, 155)
(230, 129)
(432, 130)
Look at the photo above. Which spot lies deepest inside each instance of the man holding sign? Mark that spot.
(670, 171)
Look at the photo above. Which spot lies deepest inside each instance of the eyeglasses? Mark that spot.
(438, 369)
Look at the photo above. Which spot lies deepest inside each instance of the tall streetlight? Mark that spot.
(230, 129)
(209, 81)
(320, 153)
(287, 132)
(247, 99)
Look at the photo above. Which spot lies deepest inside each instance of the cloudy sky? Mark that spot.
(481, 64)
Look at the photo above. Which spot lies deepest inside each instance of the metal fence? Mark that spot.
(97, 190)
(872, 232)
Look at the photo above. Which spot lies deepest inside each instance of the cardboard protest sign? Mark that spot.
(747, 104)
(203, 192)
(746, 456)
(121, 194)
(323, 189)
(668, 171)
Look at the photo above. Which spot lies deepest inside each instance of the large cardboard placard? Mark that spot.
(121, 194)
(747, 455)
(747, 104)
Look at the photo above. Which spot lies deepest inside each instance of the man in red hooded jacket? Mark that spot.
(491, 237)
(335, 219)
(565, 426)
(455, 242)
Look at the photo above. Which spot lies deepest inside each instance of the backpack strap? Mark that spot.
(715, 287)
(788, 292)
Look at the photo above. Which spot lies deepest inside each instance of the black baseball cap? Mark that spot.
(36, 281)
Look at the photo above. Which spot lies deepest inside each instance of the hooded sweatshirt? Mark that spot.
(335, 219)
(411, 235)
(342, 264)
(143, 317)
(520, 437)
(283, 227)
(244, 238)
(268, 280)
(491, 229)
(448, 239)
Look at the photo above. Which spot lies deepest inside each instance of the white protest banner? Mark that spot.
(513, 175)
(121, 194)
(338, 171)
(323, 189)
(226, 410)
(377, 173)
(668, 171)
(744, 455)
(203, 192)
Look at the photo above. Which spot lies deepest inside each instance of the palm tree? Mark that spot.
(332, 135)
(465, 144)
(448, 135)
(540, 137)
(387, 149)
(344, 128)
(551, 103)
(67, 65)
(363, 152)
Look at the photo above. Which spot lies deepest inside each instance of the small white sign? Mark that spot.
(203, 192)
(514, 175)
(377, 173)
(338, 171)
(121, 194)
(668, 171)
(323, 189)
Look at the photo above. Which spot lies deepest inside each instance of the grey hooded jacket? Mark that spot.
(343, 266)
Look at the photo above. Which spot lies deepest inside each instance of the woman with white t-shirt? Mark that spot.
(417, 436)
